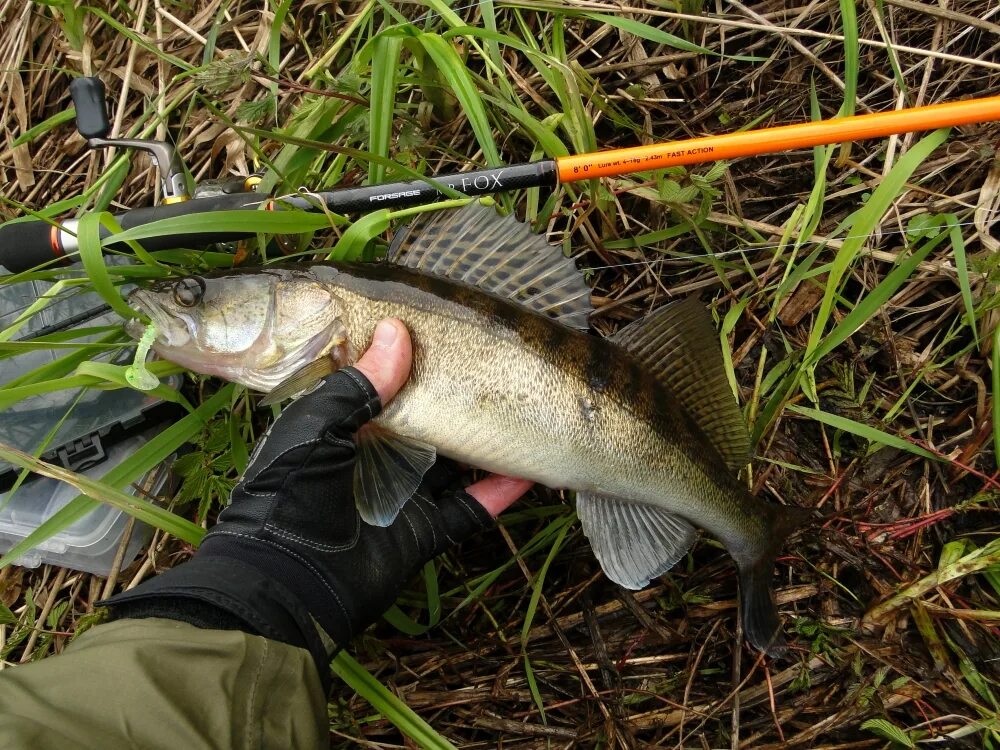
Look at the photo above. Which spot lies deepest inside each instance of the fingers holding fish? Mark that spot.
(387, 361)
(496, 492)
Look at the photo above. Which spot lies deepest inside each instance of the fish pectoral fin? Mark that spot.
(300, 380)
(388, 471)
(634, 543)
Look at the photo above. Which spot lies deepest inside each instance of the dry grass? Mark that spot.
(664, 666)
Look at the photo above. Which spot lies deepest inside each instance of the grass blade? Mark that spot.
(67, 115)
(962, 268)
(406, 624)
(995, 394)
(452, 67)
(529, 617)
(96, 490)
(867, 432)
(92, 255)
(865, 309)
(386, 703)
(382, 101)
(864, 223)
(353, 242)
(262, 222)
(852, 53)
(645, 31)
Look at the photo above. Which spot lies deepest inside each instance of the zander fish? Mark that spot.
(642, 426)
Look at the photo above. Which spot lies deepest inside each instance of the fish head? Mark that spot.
(251, 328)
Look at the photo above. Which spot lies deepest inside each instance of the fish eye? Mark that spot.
(189, 291)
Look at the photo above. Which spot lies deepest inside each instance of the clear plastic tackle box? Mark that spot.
(88, 431)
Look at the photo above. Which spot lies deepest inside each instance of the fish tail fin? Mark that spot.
(760, 613)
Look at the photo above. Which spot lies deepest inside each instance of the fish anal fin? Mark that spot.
(634, 543)
(388, 471)
(498, 254)
(680, 346)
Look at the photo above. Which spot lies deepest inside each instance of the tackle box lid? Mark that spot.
(86, 430)
(91, 543)
(74, 424)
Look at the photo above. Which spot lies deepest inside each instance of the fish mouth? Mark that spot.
(170, 330)
(135, 328)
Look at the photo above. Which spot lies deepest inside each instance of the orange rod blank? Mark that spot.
(770, 140)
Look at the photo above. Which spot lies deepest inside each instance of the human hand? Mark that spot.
(291, 549)
(386, 364)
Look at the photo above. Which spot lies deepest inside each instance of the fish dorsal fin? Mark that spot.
(680, 346)
(498, 254)
(634, 543)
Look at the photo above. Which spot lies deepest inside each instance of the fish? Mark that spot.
(642, 426)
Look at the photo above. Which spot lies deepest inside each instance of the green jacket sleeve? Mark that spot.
(156, 683)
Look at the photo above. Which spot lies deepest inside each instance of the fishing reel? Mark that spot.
(92, 123)
(27, 243)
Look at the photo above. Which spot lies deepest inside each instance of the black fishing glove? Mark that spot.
(291, 551)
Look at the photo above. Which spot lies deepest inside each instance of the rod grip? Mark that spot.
(26, 244)
(227, 202)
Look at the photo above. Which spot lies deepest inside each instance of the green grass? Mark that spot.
(437, 87)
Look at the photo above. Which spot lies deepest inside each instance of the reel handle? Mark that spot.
(91, 107)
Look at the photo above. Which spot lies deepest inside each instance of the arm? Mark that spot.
(232, 648)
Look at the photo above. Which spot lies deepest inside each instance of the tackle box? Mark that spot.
(89, 431)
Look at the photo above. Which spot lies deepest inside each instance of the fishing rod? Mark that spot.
(25, 244)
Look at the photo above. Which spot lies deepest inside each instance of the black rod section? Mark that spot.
(417, 192)
(26, 244)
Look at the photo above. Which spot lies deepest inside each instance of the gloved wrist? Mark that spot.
(291, 548)
(226, 594)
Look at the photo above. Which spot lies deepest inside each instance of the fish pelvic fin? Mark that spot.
(761, 624)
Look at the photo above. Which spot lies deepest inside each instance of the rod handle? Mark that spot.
(25, 244)
(29, 243)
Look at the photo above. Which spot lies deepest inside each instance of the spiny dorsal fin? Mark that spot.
(498, 254)
(679, 344)
(634, 543)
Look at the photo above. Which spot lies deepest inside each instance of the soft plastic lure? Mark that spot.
(136, 374)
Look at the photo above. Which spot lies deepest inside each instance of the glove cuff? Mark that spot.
(226, 594)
